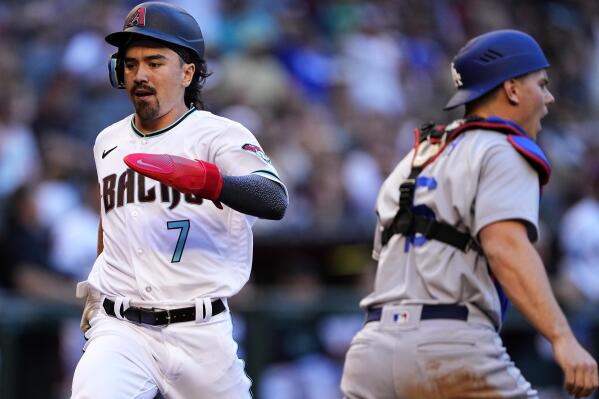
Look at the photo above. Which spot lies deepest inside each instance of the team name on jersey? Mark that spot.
(117, 192)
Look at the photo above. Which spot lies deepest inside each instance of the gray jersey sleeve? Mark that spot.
(388, 201)
(377, 246)
(508, 189)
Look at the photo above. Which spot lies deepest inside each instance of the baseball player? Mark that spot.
(180, 190)
(456, 219)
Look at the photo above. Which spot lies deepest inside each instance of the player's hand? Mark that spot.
(579, 368)
(185, 175)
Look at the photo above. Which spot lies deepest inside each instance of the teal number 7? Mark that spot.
(184, 226)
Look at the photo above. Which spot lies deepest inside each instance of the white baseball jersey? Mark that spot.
(477, 180)
(164, 246)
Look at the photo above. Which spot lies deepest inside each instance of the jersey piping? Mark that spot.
(266, 174)
(163, 130)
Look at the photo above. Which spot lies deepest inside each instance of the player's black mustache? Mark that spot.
(144, 88)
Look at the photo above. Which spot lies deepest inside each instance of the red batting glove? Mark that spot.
(185, 175)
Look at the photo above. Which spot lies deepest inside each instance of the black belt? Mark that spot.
(429, 312)
(161, 317)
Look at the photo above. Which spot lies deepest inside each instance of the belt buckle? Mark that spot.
(168, 317)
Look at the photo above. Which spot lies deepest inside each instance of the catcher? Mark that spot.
(456, 222)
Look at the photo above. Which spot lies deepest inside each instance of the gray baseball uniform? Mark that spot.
(479, 179)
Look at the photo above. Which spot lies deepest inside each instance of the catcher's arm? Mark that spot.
(520, 270)
(100, 239)
(251, 194)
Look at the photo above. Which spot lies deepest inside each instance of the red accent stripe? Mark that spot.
(141, 16)
(489, 125)
(417, 140)
(473, 125)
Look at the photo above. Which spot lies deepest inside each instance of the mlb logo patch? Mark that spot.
(401, 317)
(137, 19)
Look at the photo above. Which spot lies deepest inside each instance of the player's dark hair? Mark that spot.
(193, 92)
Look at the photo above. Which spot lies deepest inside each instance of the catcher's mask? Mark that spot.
(488, 60)
(156, 20)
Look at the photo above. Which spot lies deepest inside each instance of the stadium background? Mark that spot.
(332, 89)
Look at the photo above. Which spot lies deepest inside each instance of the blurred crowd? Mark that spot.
(331, 88)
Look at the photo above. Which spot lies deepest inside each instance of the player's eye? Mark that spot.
(154, 65)
(129, 65)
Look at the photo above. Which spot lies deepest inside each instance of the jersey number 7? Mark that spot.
(184, 226)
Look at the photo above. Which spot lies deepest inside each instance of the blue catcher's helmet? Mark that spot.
(155, 20)
(488, 60)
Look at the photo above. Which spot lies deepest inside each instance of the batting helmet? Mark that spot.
(488, 60)
(156, 20)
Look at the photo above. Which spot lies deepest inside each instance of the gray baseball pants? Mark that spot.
(403, 357)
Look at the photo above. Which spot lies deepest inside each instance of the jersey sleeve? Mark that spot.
(387, 201)
(237, 152)
(508, 189)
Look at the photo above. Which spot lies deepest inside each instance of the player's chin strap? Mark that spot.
(431, 140)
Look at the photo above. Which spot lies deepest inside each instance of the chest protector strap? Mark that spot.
(431, 140)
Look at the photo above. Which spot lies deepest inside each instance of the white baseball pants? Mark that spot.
(123, 360)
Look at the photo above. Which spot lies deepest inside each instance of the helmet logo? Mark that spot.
(137, 19)
(457, 78)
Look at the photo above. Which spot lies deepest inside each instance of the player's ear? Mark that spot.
(510, 88)
(188, 71)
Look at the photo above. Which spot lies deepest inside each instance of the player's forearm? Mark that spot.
(254, 195)
(100, 238)
(521, 273)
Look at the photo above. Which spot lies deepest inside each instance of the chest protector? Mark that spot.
(431, 140)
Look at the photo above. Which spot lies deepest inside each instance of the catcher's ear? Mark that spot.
(116, 72)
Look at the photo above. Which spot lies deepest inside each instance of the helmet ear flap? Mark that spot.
(116, 71)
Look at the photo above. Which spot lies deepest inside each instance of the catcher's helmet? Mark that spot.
(156, 20)
(488, 60)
